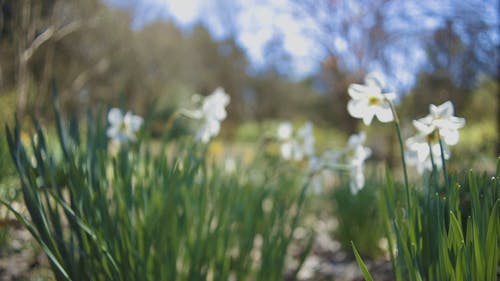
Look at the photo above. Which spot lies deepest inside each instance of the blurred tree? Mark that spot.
(334, 106)
(29, 25)
(460, 38)
(432, 88)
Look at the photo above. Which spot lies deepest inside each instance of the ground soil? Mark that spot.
(22, 259)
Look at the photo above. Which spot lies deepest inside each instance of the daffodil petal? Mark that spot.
(384, 114)
(358, 108)
(443, 110)
(286, 150)
(450, 137)
(133, 121)
(115, 116)
(423, 127)
(285, 131)
(367, 118)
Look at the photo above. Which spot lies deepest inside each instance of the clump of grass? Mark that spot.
(7, 190)
(448, 229)
(142, 215)
(359, 218)
(453, 233)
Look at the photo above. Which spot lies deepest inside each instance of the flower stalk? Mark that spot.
(401, 147)
(445, 172)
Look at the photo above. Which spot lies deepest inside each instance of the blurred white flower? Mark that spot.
(441, 118)
(368, 100)
(440, 123)
(230, 165)
(356, 152)
(357, 179)
(212, 112)
(420, 148)
(356, 155)
(123, 128)
(305, 137)
(288, 149)
(329, 159)
(285, 131)
(296, 147)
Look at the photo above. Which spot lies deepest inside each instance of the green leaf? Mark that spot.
(361, 264)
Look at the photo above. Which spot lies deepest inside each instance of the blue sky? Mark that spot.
(257, 21)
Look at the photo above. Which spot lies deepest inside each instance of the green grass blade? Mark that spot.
(53, 259)
(361, 264)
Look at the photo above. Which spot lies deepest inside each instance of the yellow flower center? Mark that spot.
(123, 127)
(433, 137)
(373, 100)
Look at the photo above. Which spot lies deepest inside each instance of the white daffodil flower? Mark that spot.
(327, 160)
(296, 147)
(439, 124)
(287, 149)
(285, 131)
(356, 152)
(305, 136)
(441, 118)
(357, 179)
(419, 151)
(212, 112)
(356, 155)
(123, 128)
(323, 167)
(368, 101)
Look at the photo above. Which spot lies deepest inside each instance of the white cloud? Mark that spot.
(184, 12)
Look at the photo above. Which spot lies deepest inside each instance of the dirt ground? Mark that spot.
(22, 259)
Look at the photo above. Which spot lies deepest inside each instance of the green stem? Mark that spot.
(434, 169)
(401, 147)
(445, 172)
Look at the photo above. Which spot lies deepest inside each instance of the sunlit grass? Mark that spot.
(138, 214)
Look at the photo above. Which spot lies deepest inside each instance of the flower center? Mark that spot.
(373, 100)
(123, 127)
(433, 137)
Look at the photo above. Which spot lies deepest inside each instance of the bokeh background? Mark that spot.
(278, 60)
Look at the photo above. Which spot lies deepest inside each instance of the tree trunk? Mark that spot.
(22, 63)
(44, 92)
(22, 87)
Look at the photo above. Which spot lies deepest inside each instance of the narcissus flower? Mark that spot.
(439, 124)
(123, 128)
(327, 160)
(368, 101)
(356, 155)
(212, 112)
(420, 148)
(296, 147)
(285, 131)
(441, 119)
(305, 137)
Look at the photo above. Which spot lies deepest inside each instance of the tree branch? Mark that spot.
(48, 34)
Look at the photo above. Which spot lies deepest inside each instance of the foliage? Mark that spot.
(358, 215)
(143, 215)
(6, 191)
(449, 232)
